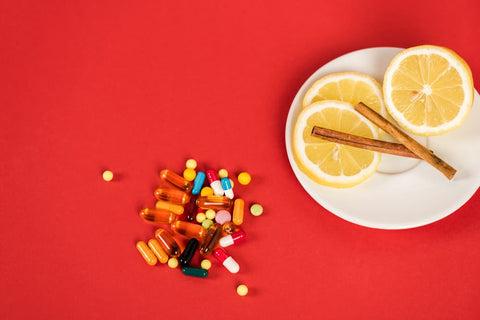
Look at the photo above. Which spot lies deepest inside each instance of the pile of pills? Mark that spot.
(201, 207)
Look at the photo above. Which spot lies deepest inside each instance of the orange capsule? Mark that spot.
(175, 180)
(211, 239)
(229, 227)
(171, 195)
(188, 229)
(214, 202)
(158, 216)
(146, 253)
(168, 243)
(237, 216)
(158, 250)
(172, 207)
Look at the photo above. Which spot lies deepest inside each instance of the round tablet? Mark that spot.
(223, 216)
(107, 175)
(242, 290)
(256, 209)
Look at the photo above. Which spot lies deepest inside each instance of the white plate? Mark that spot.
(412, 198)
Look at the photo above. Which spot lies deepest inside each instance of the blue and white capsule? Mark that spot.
(227, 187)
(198, 183)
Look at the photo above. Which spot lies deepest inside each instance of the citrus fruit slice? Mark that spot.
(330, 163)
(428, 90)
(351, 87)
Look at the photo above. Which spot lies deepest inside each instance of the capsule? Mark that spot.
(158, 216)
(146, 253)
(168, 243)
(158, 250)
(211, 239)
(238, 211)
(172, 207)
(233, 238)
(214, 202)
(228, 262)
(171, 195)
(188, 253)
(229, 227)
(215, 183)
(175, 180)
(227, 187)
(191, 209)
(188, 229)
(198, 183)
(195, 272)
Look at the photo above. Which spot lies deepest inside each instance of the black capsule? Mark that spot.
(188, 253)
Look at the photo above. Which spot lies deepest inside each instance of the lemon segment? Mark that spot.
(428, 90)
(330, 163)
(351, 87)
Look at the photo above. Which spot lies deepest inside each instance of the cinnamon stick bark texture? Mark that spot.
(397, 149)
(406, 140)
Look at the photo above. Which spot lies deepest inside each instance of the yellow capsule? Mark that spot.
(238, 208)
(172, 207)
(146, 253)
(206, 191)
(158, 250)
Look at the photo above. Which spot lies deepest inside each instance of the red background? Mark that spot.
(138, 86)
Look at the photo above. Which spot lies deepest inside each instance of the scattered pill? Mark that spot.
(172, 207)
(227, 188)
(195, 272)
(256, 209)
(226, 260)
(238, 208)
(223, 216)
(229, 227)
(146, 253)
(175, 180)
(171, 195)
(206, 264)
(189, 174)
(191, 164)
(214, 202)
(172, 263)
(222, 173)
(206, 191)
(200, 217)
(158, 216)
(188, 229)
(157, 249)
(211, 239)
(207, 224)
(188, 253)
(242, 290)
(210, 213)
(168, 243)
(198, 183)
(215, 183)
(233, 238)
(107, 175)
(244, 178)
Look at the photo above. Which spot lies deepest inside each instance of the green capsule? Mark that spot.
(195, 272)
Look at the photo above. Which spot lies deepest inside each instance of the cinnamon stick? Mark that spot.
(397, 149)
(406, 140)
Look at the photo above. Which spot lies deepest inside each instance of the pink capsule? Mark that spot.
(215, 183)
(233, 238)
(227, 261)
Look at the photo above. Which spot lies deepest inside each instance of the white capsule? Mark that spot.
(231, 265)
(227, 187)
(214, 182)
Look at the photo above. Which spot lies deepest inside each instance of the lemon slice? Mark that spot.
(330, 163)
(428, 90)
(351, 87)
